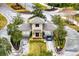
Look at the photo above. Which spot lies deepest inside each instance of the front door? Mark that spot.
(37, 34)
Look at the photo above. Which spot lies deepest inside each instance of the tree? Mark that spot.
(5, 47)
(14, 32)
(18, 20)
(16, 37)
(76, 6)
(61, 5)
(37, 13)
(58, 21)
(59, 33)
(51, 4)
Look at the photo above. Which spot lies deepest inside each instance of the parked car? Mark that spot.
(49, 38)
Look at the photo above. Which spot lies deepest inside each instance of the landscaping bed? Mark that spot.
(18, 8)
(3, 21)
(37, 47)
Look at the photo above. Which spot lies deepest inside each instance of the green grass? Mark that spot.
(38, 5)
(38, 48)
(3, 21)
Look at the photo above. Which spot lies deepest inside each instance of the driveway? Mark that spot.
(72, 42)
(24, 46)
(51, 47)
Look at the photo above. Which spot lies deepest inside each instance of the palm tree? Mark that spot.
(14, 32)
(59, 33)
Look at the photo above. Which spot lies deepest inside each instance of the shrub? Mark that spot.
(5, 47)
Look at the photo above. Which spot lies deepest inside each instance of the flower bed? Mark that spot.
(18, 8)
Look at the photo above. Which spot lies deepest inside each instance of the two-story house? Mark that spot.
(38, 27)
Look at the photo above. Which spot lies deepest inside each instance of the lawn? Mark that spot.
(3, 21)
(38, 48)
(40, 6)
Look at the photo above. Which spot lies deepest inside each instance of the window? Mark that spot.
(37, 25)
(37, 34)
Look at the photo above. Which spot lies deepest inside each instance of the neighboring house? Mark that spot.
(38, 27)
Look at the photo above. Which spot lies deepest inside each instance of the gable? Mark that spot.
(37, 20)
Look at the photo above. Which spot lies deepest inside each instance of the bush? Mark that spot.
(5, 47)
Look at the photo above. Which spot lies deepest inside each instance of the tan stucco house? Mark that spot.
(38, 27)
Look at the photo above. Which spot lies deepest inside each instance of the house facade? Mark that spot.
(38, 27)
